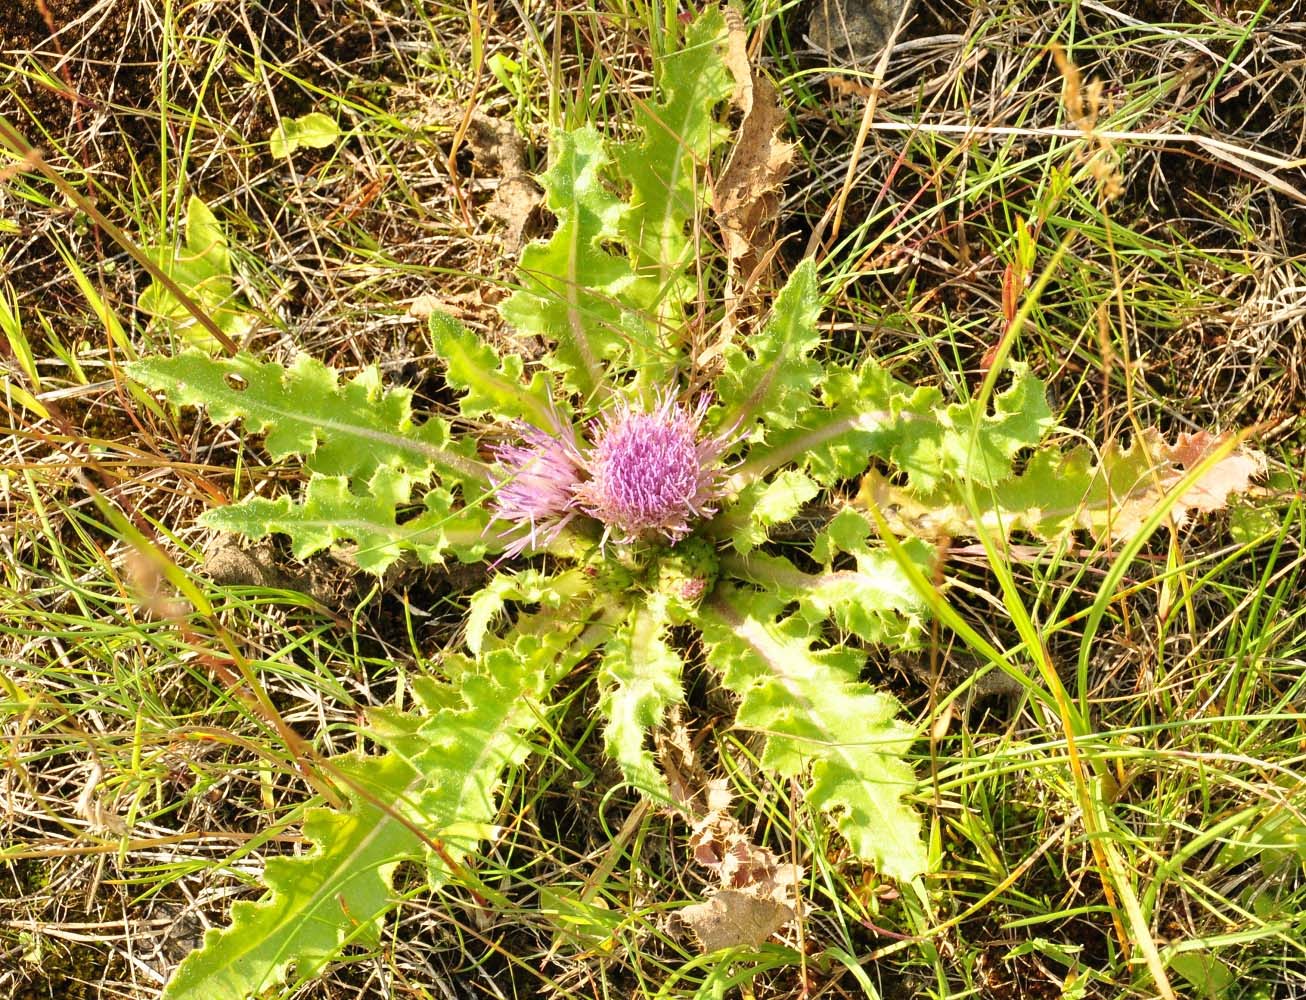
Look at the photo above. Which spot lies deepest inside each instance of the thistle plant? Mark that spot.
(617, 489)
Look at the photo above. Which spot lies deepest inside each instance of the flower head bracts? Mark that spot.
(534, 485)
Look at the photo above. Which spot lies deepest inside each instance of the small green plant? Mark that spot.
(626, 498)
(202, 269)
(313, 131)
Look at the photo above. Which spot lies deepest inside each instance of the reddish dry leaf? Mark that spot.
(1231, 475)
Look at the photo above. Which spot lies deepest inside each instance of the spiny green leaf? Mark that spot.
(962, 442)
(639, 680)
(331, 512)
(572, 285)
(339, 430)
(314, 900)
(981, 446)
(359, 443)
(873, 600)
(679, 132)
(492, 383)
(437, 785)
(816, 714)
(861, 413)
(775, 379)
(528, 586)
(763, 505)
(1108, 492)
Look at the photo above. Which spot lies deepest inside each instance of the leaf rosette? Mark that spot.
(622, 507)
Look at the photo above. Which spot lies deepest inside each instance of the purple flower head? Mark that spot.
(651, 472)
(535, 484)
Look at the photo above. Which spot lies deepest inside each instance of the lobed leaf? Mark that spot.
(487, 604)
(817, 715)
(572, 285)
(774, 380)
(303, 920)
(860, 413)
(358, 441)
(639, 679)
(961, 441)
(437, 786)
(1110, 495)
(873, 600)
(332, 513)
(348, 430)
(678, 132)
(762, 505)
(492, 384)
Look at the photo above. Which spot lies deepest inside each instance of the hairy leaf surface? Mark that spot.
(639, 680)
(436, 785)
(817, 715)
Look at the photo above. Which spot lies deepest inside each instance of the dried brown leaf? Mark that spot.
(732, 917)
(746, 196)
(499, 148)
(757, 894)
(514, 203)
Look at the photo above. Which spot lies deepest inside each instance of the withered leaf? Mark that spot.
(746, 197)
(733, 917)
(498, 147)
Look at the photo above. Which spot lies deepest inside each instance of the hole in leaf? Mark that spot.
(1020, 460)
(406, 514)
